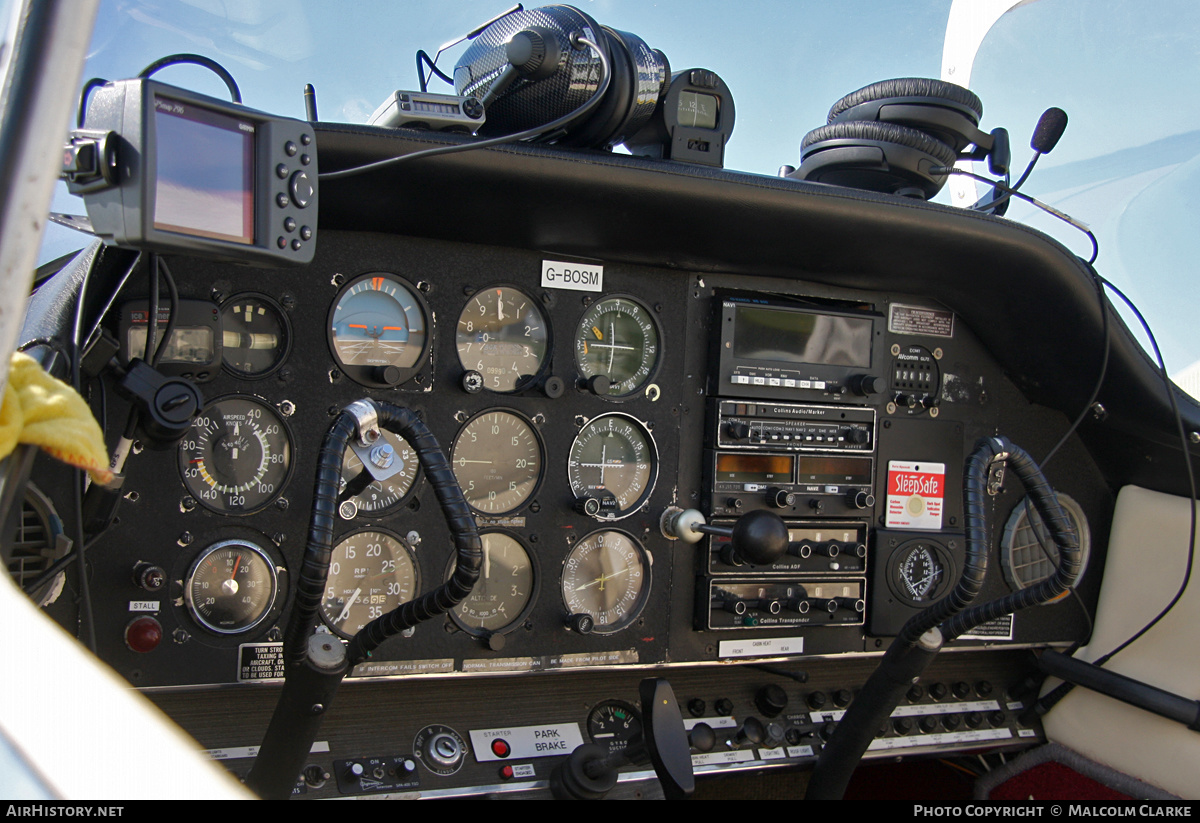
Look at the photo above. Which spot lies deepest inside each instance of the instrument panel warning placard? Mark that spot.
(915, 494)
(260, 661)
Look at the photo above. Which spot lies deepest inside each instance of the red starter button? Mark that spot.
(506, 772)
(500, 748)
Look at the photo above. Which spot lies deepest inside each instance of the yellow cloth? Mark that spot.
(45, 412)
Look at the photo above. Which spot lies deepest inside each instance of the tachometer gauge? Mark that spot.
(617, 339)
(497, 459)
(380, 486)
(370, 573)
(230, 587)
(920, 572)
(505, 588)
(503, 335)
(612, 466)
(237, 455)
(255, 335)
(607, 577)
(378, 330)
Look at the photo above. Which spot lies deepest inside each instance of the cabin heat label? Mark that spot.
(915, 494)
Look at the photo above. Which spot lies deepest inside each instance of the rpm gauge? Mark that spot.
(497, 459)
(618, 340)
(378, 330)
(370, 573)
(504, 591)
(237, 455)
(503, 335)
(612, 466)
(607, 577)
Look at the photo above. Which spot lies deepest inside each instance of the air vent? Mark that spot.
(37, 543)
(1027, 554)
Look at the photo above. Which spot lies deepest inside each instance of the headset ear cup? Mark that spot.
(875, 156)
(949, 112)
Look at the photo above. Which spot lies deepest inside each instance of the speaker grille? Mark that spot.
(1027, 554)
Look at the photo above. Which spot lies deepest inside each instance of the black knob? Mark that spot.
(737, 430)
(734, 606)
(472, 382)
(857, 436)
(816, 700)
(938, 691)
(771, 700)
(997, 719)
(916, 692)
(697, 707)
(387, 375)
(582, 623)
(827, 730)
(801, 548)
(760, 537)
(831, 605)
(865, 385)
(961, 689)
(780, 498)
(723, 706)
(860, 499)
(553, 385)
(149, 577)
(816, 504)
(702, 738)
(951, 722)
(842, 698)
(983, 688)
(829, 548)
(902, 725)
(588, 505)
(599, 385)
(751, 731)
(974, 720)
(928, 724)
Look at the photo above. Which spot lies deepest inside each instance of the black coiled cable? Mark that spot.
(922, 637)
(314, 568)
(467, 545)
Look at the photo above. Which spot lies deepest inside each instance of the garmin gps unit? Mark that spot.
(165, 169)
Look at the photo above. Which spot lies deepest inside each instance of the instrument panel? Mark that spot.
(572, 420)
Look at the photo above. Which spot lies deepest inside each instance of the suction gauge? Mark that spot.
(378, 330)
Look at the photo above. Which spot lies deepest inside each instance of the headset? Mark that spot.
(898, 137)
(529, 68)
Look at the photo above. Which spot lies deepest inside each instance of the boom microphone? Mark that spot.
(1049, 129)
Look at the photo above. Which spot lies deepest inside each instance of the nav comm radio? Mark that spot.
(165, 169)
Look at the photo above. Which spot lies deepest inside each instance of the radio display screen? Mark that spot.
(755, 468)
(204, 182)
(835, 470)
(782, 336)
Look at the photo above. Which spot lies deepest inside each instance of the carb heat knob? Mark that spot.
(771, 699)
